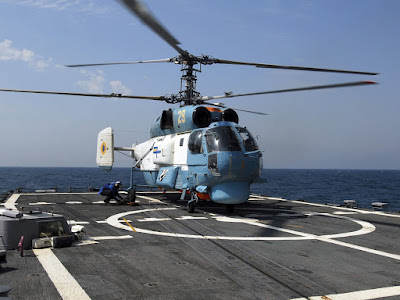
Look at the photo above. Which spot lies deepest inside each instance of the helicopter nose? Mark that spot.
(233, 192)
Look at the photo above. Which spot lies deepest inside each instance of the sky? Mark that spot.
(346, 128)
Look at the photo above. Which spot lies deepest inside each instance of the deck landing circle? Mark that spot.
(366, 227)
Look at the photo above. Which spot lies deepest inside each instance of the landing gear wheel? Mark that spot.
(230, 208)
(191, 206)
(192, 203)
(131, 195)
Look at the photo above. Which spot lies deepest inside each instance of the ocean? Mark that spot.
(318, 186)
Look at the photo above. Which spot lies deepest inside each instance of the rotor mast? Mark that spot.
(188, 94)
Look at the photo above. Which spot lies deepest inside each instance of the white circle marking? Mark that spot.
(366, 228)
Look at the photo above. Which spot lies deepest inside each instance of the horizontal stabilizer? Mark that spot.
(105, 149)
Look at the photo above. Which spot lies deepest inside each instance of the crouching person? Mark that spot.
(110, 190)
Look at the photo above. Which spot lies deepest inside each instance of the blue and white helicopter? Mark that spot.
(198, 147)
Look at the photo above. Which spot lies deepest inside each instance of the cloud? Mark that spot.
(118, 88)
(85, 6)
(94, 83)
(9, 53)
(54, 4)
(42, 64)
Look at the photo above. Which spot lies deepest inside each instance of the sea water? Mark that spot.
(318, 186)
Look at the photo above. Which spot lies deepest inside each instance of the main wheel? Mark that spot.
(131, 195)
(191, 206)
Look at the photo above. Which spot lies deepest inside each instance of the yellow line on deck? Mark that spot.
(129, 225)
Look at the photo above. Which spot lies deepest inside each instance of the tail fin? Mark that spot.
(105, 149)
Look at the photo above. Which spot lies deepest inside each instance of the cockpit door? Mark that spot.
(180, 149)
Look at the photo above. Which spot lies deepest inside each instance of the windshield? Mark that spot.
(222, 139)
(249, 142)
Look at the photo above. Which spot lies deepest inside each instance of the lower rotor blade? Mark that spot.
(269, 66)
(316, 87)
(123, 63)
(248, 111)
(113, 95)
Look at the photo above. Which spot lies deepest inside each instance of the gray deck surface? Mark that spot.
(267, 249)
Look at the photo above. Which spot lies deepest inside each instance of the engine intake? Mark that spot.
(230, 115)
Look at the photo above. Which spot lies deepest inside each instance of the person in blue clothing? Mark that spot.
(110, 190)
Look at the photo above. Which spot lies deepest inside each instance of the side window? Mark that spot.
(181, 142)
(195, 143)
(249, 142)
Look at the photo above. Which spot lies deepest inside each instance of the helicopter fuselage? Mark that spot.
(200, 149)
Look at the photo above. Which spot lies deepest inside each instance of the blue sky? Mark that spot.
(340, 128)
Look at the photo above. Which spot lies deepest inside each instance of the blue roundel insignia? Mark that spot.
(103, 148)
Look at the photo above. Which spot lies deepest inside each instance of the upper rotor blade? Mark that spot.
(260, 65)
(123, 63)
(316, 87)
(113, 95)
(143, 13)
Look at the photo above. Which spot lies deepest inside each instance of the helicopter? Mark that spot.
(198, 148)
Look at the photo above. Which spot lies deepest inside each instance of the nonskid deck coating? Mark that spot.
(270, 248)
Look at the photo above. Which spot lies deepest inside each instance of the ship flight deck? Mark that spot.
(268, 248)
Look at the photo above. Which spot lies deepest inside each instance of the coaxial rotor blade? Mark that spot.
(143, 13)
(316, 87)
(269, 66)
(113, 95)
(248, 111)
(124, 63)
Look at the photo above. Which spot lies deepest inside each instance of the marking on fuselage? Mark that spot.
(103, 148)
(156, 151)
(163, 174)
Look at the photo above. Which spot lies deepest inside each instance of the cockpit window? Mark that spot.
(249, 142)
(195, 143)
(222, 139)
